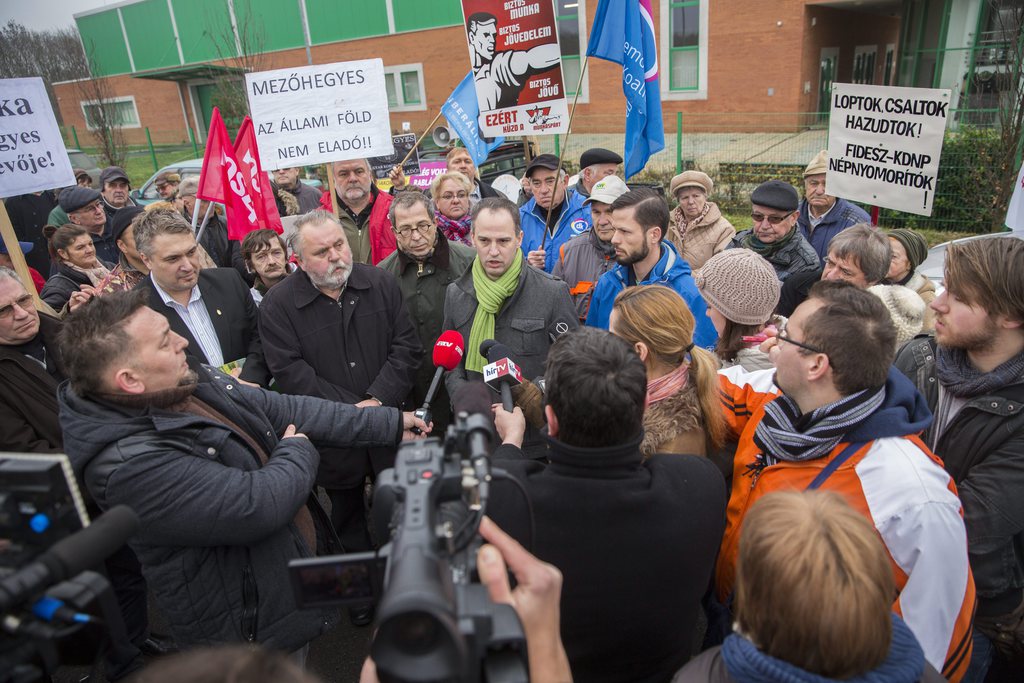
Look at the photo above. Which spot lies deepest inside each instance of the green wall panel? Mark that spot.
(203, 27)
(150, 34)
(274, 23)
(416, 14)
(330, 20)
(104, 43)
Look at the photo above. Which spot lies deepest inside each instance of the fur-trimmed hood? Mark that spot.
(667, 420)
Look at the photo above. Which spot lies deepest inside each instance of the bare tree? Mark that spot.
(102, 115)
(241, 47)
(996, 85)
(53, 55)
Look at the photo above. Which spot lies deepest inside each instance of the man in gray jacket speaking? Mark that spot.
(220, 473)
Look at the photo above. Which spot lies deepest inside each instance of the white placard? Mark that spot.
(884, 145)
(318, 114)
(32, 152)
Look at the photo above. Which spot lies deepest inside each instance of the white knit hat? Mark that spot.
(741, 285)
(906, 307)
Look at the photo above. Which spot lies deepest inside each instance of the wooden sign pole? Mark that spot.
(18, 260)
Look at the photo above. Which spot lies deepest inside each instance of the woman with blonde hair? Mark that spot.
(683, 413)
(450, 192)
(813, 601)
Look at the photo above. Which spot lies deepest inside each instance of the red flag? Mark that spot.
(222, 180)
(213, 177)
(257, 182)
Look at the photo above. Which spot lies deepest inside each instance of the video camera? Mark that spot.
(52, 609)
(435, 620)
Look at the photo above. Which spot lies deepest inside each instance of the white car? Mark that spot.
(934, 266)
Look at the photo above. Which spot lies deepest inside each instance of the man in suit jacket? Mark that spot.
(210, 308)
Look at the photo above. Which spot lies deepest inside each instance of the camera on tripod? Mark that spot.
(435, 620)
(52, 609)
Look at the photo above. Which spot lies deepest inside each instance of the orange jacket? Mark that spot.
(893, 480)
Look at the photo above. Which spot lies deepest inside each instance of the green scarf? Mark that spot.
(490, 295)
(766, 250)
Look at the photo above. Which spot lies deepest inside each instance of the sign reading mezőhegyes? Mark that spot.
(317, 114)
(517, 66)
(884, 145)
(32, 153)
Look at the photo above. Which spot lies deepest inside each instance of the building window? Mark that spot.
(890, 56)
(405, 87)
(570, 15)
(120, 111)
(684, 45)
(684, 49)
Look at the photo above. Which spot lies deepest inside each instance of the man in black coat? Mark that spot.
(211, 308)
(635, 539)
(339, 330)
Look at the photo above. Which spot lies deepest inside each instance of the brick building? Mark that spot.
(746, 58)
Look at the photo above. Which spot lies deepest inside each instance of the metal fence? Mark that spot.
(741, 150)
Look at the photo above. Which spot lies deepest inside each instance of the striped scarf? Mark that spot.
(784, 434)
(668, 385)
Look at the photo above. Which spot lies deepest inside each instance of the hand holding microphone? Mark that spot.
(500, 373)
(448, 350)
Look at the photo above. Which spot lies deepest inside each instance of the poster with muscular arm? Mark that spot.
(517, 66)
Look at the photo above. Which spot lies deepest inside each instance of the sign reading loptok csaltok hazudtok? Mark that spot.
(317, 114)
(884, 145)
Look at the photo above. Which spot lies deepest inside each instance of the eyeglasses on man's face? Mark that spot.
(773, 219)
(423, 229)
(25, 303)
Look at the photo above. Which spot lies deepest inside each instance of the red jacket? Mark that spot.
(382, 238)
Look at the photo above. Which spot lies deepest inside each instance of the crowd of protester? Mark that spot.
(779, 454)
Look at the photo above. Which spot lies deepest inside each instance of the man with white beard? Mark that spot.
(340, 330)
(363, 211)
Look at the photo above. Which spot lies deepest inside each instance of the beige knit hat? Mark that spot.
(691, 179)
(906, 308)
(741, 285)
(819, 164)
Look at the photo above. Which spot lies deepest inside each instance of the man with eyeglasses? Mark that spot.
(425, 264)
(84, 206)
(774, 235)
(554, 215)
(835, 415)
(339, 329)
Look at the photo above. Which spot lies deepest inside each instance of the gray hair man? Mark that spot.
(339, 329)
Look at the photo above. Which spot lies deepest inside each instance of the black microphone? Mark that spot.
(500, 373)
(71, 556)
(474, 399)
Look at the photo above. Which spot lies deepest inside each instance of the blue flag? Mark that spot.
(462, 111)
(623, 33)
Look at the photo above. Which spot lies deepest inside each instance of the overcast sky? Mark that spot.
(46, 14)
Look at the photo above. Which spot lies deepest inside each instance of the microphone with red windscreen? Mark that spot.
(448, 350)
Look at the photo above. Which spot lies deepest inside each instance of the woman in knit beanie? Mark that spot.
(684, 413)
(909, 250)
(742, 291)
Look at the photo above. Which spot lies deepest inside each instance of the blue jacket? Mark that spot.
(575, 220)
(673, 271)
(839, 218)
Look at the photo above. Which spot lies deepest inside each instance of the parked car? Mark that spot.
(934, 266)
(147, 194)
(80, 159)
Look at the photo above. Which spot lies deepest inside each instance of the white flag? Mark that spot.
(1015, 211)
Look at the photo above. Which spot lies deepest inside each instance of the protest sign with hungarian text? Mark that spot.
(32, 153)
(884, 145)
(317, 114)
(517, 67)
(382, 165)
